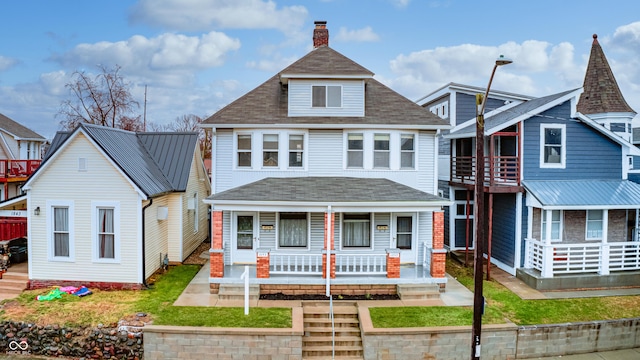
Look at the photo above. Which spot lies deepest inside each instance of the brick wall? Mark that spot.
(40, 284)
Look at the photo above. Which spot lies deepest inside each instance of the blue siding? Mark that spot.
(635, 177)
(466, 107)
(589, 154)
(504, 228)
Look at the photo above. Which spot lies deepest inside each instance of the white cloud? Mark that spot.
(359, 35)
(271, 66)
(169, 58)
(627, 37)
(7, 62)
(194, 15)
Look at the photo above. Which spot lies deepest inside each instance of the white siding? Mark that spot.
(226, 236)
(175, 226)
(352, 98)
(156, 235)
(268, 237)
(425, 233)
(382, 238)
(190, 236)
(102, 182)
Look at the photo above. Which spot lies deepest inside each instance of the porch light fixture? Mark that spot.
(478, 298)
(36, 211)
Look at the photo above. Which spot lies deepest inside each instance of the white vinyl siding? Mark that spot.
(300, 98)
(102, 182)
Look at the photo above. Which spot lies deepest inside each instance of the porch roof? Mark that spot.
(317, 193)
(583, 194)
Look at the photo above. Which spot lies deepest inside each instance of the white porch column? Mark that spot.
(547, 248)
(605, 247)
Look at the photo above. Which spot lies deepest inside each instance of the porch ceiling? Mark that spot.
(320, 192)
(583, 194)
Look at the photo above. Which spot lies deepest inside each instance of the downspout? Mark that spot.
(144, 277)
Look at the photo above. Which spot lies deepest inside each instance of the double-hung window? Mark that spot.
(106, 233)
(296, 150)
(407, 151)
(356, 230)
(553, 145)
(61, 234)
(595, 220)
(381, 150)
(555, 224)
(355, 150)
(270, 150)
(244, 150)
(326, 96)
(292, 230)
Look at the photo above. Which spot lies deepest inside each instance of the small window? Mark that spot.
(292, 230)
(82, 164)
(618, 127)
(296, 148)
(326, 96)
(196, 213)
(270, 150)
(61, 241)
(244, 150)
(407, 151)
(356, 230)
(106, 234)
(594, 224)
(355, 150)
(381, 151)
(556, 225)
(553, 140)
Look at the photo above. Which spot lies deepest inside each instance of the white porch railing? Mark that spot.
(295, 264)
(361, 264)
(558, 258)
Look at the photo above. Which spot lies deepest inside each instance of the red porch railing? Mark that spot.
(498, 170)
(12, 228)
(18, 168)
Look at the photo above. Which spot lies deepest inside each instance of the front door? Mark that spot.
(404, 237)
(244, 238)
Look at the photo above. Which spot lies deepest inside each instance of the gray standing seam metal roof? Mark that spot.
(495, 121)
(18, 130)
(323, 189)
(156, 162)
(577, 193)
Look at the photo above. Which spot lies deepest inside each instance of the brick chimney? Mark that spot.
(320, 34)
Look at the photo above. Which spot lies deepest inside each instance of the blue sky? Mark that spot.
(196, 56)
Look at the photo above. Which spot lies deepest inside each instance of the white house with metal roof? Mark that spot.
(107, 206)
(323, 159)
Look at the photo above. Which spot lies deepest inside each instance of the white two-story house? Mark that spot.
(323, 159)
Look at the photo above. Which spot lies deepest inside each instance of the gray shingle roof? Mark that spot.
(583, 193)
(156, 162)
(267, 103)
(18, 130)
(324, 189)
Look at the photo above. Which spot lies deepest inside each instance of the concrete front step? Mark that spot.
(318, 341)
(418, 291)
(14, 276)
(235, 292)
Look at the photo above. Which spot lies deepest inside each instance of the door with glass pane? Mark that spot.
(244, 238)
(405, 239)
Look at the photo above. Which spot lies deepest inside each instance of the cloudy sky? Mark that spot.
(195, 56)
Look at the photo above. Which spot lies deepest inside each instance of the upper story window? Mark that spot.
(407, 151)
(296, 150)
(244, 150)
(381, 151)
(552, 145)
(270, 150)
(326, 96)
(355, 150)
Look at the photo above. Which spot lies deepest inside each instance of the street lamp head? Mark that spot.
(503, 61)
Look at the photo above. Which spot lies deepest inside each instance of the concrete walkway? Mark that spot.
(629, 354)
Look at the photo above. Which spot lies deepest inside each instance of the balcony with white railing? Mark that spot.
(596, 258)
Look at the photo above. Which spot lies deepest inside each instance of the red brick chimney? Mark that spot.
(320, 34)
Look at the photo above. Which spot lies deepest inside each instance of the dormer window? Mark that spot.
(326, 96)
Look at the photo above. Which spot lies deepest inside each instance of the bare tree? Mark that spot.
(192, 122)
(104, 99)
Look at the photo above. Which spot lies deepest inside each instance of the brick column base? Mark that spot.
(216, 263)
(262, 264)
(332, 264)
(438, 263)
(393, 263)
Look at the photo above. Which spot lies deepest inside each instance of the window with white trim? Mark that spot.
(244, 150)
(296, 150)
(356, 230)
(270, 150)
(404, 232)
(61, 233)
(293, 230)
(326, 96)
(553, 145)
(381, 150)
(106, 231)
(407, 151)
(355, 150)
(595, 222)
(556, 225)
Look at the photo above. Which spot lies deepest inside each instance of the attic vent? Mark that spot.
(82, 164)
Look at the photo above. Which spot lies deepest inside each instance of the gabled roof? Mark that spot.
(157, 163)
(18, 131)
(469, 89)
(582, 194)
(601, 92)
(267, 104)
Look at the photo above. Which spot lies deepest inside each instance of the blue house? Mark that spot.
(561, 209)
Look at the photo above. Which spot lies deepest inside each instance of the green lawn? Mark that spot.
(503, 306)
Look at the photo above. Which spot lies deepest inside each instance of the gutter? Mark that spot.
(144, 277)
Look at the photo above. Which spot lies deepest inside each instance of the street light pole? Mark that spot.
(478, 298)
